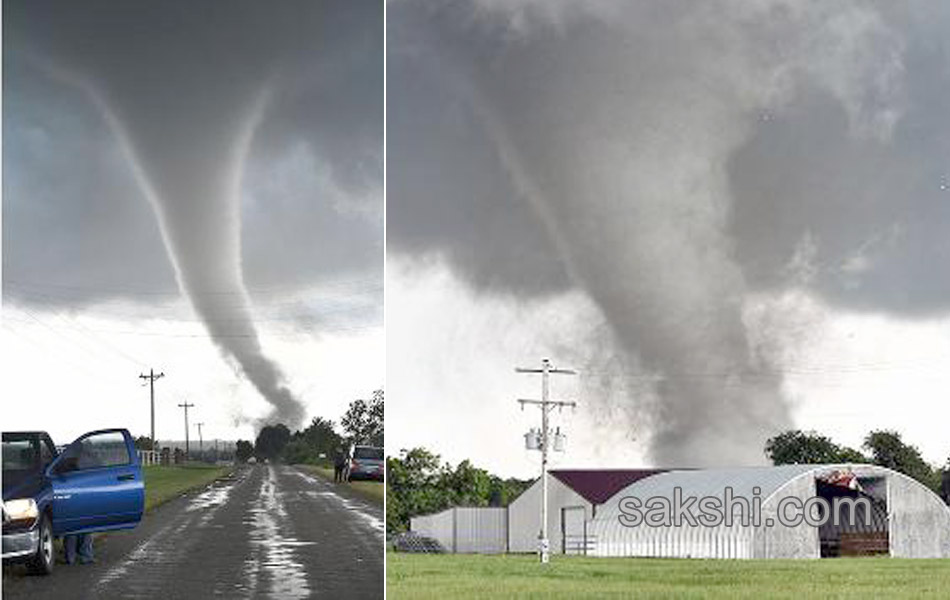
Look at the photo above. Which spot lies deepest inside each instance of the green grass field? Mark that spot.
(517, 576)
(371, 490)
(164, 483)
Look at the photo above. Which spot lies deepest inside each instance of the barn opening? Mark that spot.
(858, 522)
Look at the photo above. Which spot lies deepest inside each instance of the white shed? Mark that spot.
(574, 496)
(481, 530)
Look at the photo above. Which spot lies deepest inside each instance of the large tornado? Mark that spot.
(616, 122)
(183, 86)
(189, 165)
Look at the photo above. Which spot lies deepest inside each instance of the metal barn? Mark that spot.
(906, 519)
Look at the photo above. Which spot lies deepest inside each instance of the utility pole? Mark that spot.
(186, 406)
(201, 441)
(152, 376)
(546, 405)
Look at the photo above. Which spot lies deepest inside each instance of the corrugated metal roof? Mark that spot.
(713, 482)
(615, 538)
(597, 485)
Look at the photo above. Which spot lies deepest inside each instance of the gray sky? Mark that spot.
(232, 150)
(722, 203)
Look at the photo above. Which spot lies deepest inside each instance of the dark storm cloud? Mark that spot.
(878, 214)
(446, 186)
(209, 103)
(670, 159)
(71, 199)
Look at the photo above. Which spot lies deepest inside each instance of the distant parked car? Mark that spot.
(95, 484)
(365, 462)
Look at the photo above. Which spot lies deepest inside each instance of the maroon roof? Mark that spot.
(598, 485)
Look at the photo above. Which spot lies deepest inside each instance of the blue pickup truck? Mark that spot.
(95, 484)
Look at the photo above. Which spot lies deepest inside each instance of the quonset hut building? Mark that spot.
(593, 512)
(898, 516)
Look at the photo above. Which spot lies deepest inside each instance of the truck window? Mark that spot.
(19, 454)
(106, 449)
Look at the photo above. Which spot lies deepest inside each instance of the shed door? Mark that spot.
(573, 530)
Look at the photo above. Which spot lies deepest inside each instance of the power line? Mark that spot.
(64, 357)
(367, 282)
(312, 301)
(318, 329)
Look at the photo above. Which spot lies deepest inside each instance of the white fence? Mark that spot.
(148, 457)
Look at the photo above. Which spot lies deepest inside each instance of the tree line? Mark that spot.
(320, 441)
(883, 448)
(418, 483)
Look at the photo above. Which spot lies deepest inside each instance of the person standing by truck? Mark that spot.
(339, 465)
(81, 542)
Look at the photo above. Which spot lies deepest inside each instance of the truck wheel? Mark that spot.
(42, 562)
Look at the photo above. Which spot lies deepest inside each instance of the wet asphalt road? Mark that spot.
(268, 531)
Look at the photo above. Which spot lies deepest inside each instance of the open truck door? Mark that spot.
(97, 484)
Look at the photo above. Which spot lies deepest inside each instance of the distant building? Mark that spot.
(592, 512)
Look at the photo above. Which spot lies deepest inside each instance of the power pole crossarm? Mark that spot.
(549, 404)
(546, 405)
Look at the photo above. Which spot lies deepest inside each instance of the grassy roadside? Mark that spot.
(165, 483)
(519, 576)
(371, 490)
